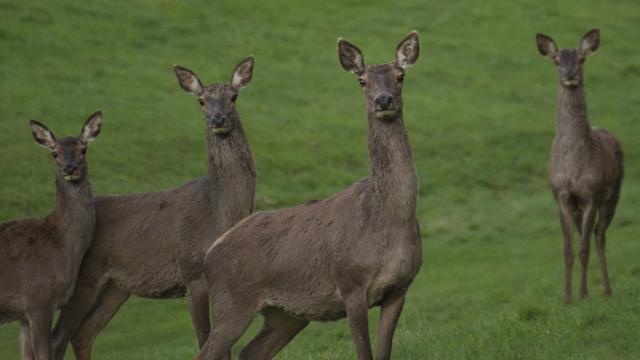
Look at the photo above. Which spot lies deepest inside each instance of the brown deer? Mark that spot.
(39, 258)
(153, 244)
(328, 259)
(586, 164)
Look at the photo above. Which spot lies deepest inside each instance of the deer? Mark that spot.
(153, 244)
(40, 258)
(331, 258)
(586, 164)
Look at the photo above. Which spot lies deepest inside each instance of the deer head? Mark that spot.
(382, 84)
(218, 101)
(69, 153)
(569, 61)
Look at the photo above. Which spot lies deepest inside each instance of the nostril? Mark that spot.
(70, 169)
(383, 101)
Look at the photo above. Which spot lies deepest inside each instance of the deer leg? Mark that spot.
(357, 309)
(606, 215)
(278, 330)
(73, 313)
(588, 219)
(389, 315)
(40, 325)
(110, 300)
(199, 306)
(565, 222)
(26, 348)
(230, 320)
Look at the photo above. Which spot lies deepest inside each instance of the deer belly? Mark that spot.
(314, 304)
(159, 283)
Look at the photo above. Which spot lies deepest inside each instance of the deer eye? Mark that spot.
(401, 78)
(234, 98)
(83, 151)
(54, 154)
(362, 82)
(201, 102)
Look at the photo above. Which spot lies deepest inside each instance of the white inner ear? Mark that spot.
(236, 80)
(89, 130)
(193, 84)
(45, 137)
(401, 57)
(358, 62)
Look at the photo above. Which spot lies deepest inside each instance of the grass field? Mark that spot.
(480, 111)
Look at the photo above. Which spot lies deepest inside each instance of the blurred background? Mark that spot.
(480, 111)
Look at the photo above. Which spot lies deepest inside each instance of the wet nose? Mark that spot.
(70, 168)
(383, 102)
(218, 120)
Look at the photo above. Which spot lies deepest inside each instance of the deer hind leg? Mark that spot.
(26, 347)
(389, 315)
(278, 330)
(110, 300)
(40, 325)
(606, 213)
(230, 320)
(565, 212)
(198, 296)
(588, 219)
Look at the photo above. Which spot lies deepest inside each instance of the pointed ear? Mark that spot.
(408, 50)
(92, 127)
(243, 73)
(42, 135)
(546, 46)
(350, 57)
(590, 42)
(188, 80)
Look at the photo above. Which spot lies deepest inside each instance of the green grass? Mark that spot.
(480, 111)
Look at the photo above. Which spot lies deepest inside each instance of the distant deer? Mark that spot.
(585, 168)
(39, 258)
(153, 244)
(328, 259)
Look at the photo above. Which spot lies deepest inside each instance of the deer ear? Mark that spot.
(42, 135)
(92, 127)
(546, 46)
(408, 50)
(188, 80)
(590, 42)
(243, 73)
(350, 57)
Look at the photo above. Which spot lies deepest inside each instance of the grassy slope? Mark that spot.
(479, 107)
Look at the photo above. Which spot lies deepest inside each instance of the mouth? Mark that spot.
(571, 83)
(71, 177)
(386, 114)
(223, 130)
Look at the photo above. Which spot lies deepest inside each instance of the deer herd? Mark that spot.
(319, 261)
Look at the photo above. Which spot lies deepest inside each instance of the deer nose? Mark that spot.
(70, 169)
(218, 120)
(383, 102)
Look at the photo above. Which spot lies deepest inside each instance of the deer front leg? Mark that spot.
(26, 348)
(565, 222)
(110, 300)
(357, 309)
(198, 295)
(389, 315)
(40, 325)
(588, 219)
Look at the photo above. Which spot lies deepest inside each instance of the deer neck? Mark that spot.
(74, 213)
(573, 125)
(393, 173)
(232, 174)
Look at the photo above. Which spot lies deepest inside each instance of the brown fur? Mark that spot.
(331, 258)
(585, 166)
(153, 244)
(40, 258)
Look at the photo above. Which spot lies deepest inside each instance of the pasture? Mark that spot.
(479, 107)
